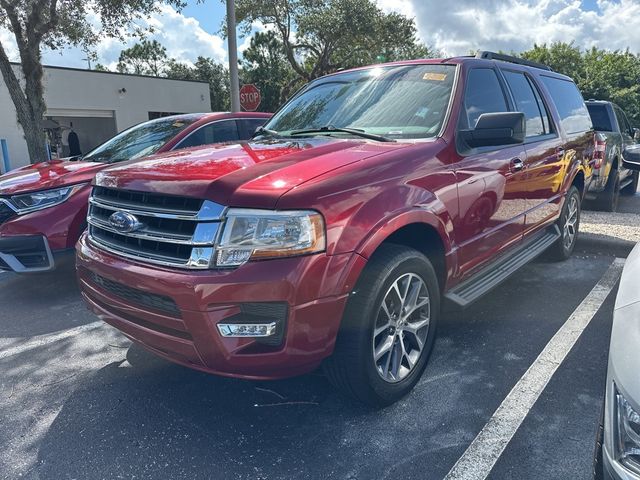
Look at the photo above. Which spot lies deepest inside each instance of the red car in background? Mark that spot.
(43, 207)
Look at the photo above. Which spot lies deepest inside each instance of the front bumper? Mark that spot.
(613, 470)
(175, 313)
(25, 254)
(622, 377)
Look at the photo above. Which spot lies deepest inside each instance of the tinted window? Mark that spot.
(483, 95)
(622, 120)
(143, 139)
(407, 101)
(527, 103)
(250, 125)
(574, 115)
(225, 131)
(600, 117)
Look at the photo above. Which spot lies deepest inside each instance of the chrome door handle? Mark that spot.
(516, 165)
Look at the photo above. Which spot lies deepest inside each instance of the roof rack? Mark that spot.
(508, 58)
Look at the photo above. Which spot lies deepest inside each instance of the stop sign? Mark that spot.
(250, 97)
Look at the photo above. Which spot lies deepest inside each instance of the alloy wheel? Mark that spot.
(401, 328)
(571, 223)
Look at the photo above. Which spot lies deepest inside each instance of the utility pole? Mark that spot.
(233, 56)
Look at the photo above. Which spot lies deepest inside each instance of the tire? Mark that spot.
(607, 201)
(632, 188)
(367, 326)
(569, 225)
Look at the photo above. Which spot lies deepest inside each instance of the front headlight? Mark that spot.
(30, 202)
(260, 234)
(628, 434)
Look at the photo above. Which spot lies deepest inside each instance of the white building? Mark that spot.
(98, 105)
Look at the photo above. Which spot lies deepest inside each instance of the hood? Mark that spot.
(46, 175)
(254, 173)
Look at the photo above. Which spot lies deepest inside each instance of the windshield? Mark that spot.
(408, 101)
(143, 139)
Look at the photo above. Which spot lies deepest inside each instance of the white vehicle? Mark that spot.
(618, 445)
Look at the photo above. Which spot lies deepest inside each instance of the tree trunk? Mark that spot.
(29, 103)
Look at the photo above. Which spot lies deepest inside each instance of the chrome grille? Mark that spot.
(175, 231)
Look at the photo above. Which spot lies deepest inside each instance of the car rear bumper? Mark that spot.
(175, 313)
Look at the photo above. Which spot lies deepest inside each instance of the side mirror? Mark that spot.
(631, 157)
(496, 129)
(636, 133)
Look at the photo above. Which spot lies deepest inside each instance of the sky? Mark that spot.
(454, 27)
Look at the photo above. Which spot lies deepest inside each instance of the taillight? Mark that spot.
(599, 152)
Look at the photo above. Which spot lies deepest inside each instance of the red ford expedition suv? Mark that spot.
(334, 235)
(43, 207)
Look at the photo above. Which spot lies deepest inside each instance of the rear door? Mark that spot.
(573, 123)
(492, 199)
(544, 169)
(626, 131)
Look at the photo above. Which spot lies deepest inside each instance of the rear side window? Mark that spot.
(600, 118)
(623, 123)
(574, 115)
(528, 103)
(249, 125)
(483, 94)
(225, 131)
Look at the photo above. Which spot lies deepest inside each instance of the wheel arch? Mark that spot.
(417, 229)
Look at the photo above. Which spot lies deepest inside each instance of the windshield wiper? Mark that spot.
(265, 131)
(352, 131)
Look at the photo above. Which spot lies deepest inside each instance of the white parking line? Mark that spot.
(42, 340)
(480, 457)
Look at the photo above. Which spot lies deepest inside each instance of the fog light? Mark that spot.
(247, 329)
(628, 434)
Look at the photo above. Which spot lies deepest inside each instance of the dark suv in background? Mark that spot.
(614, 137)
(43, 207)
(333, 237)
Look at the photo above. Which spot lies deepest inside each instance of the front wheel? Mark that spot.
(569, 225)
(388, 327)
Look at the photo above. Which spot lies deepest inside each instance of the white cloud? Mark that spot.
(454, 28)
(182, 36)
(467, 25)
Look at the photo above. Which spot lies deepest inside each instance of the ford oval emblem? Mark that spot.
(124, 222)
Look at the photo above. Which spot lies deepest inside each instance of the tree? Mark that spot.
(265, 64)
(320, 37)
(205, 70)
(600, 74)
(145, 58)
(55, 24)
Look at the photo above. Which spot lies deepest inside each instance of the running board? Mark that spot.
(472, 289)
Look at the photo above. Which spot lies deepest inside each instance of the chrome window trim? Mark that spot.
(179, 146)
(236, 119)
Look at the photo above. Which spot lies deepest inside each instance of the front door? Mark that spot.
(490, 180)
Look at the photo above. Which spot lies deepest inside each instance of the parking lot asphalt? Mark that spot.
(78, 401)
